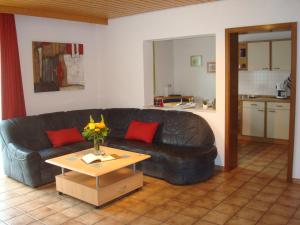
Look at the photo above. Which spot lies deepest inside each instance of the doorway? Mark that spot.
(232, 93)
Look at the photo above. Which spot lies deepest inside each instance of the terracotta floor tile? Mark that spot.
(42, 212)
(272, 219)
(109, 221)
(217, 196)
(206, 202)
(89, 218)
(226, 189)
(272, 190)
(240, 221)
(294, 222)
(171, 193)
(239, 201)
(227, 208)
(216, 217)
(141, 208)
(20, 220)
(288, 201)
(194, 211)
(292, 193)
(55, 219)
(174, 205)
(185, 198)
(160, 213)
(156, 200)
(207, 186)
(198, 192)
(297, 214)
(282, 210)
(259, 205)
(125, 216)
(265, 197)
(145, 221)
(202, 222)
(253, 186)
(179, 219)
(250, 214)
(253, 193)
(278, 183)
(110, 210)
(244, 193)
(73, 222)
(75, 211)
(60, 205)
(40, 223)
(234, 182)
(10, 213)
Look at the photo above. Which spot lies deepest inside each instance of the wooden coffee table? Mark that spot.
(100, 182)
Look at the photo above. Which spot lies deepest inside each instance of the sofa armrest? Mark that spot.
(20, 153)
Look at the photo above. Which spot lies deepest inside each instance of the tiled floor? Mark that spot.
(254, 193)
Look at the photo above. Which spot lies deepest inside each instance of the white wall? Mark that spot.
(124, 38)
(173, 68)
(40, 29)
(194, 81)
(164, 67)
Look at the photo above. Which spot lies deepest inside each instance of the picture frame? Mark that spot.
(196, 60)
(57, 66)
(211, 67)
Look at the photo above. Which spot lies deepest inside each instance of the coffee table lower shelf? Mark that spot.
(111, 186)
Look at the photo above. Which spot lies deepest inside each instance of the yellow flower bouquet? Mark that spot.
(96, 132)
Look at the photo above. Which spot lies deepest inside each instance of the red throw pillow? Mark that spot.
(141, 131)
(64, 136)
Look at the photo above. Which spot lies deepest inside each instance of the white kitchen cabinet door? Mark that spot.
(259, 55)
(281, 55)
(253, 120)
(278, 123)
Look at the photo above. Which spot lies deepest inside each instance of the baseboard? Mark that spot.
(219, 168)
(296, 181)
(244, 138)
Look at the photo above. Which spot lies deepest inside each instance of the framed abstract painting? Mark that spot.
(57, 66)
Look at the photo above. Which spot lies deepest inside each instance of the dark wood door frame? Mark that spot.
(231, 121)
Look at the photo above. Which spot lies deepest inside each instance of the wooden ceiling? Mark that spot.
(91, 11)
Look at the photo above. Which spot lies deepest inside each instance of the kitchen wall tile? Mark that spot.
(260, 82)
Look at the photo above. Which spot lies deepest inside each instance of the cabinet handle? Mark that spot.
(265, 68)
(279, 106)
(261, 110)
(272, 111)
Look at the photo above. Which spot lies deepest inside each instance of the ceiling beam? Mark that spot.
(51, 14)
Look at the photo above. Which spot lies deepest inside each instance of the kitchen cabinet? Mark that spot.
(258, 55)
(253, 119)
(281, 55)
(278, 120)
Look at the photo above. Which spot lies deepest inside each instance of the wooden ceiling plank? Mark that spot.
(92, 11)
(56, 15)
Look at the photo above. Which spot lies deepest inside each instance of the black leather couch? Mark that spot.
(183, 150)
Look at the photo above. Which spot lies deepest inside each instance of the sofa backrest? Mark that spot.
(29, 131)
(179, 128)
(176, 128)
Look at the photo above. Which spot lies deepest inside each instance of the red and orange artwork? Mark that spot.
(57, 66)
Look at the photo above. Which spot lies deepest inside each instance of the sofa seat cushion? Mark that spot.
(177, 155)
(49, 153)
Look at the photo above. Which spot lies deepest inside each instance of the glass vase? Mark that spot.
(98, 147)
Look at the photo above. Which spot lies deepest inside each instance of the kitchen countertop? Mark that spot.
(264, 99)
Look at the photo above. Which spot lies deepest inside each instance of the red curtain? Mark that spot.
(13, 104)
